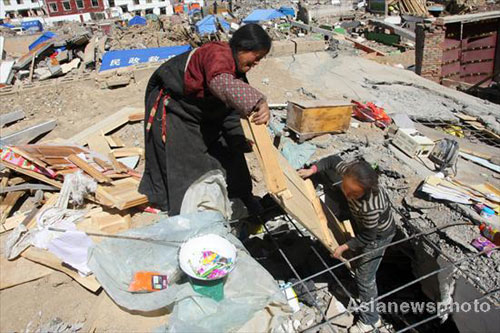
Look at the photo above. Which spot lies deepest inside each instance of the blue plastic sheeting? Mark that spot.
(7, 25)
(297, 154)
(32, 25)
(288, 11)
(43, 38)
(209, 26)
(137, 20)
(124, 58)
(260, 15)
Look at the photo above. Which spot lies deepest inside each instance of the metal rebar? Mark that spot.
(407, 285)
(313, 248)
(439, 314)
(432, 230)
(297, 276)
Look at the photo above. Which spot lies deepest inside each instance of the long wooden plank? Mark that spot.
(48, 259)
(105, 126)
(304, 206)
(301, 202)
(274, 178)
(20, 271)
(32, 174)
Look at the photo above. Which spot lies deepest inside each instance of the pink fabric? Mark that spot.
(8, 156)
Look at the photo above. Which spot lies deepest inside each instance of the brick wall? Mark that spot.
(429, 50)
(56, 7)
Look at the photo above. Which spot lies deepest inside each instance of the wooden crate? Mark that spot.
(312, 118)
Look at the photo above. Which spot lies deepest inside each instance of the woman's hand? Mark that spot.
(339, 251)
(262, 114)
(305, 173)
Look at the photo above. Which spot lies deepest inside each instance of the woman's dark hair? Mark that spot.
(364, 174)
(250, 37)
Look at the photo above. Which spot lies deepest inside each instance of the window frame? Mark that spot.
(50, 7)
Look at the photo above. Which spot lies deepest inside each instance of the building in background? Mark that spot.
(79, 10)
(21, 8)
(143, 7)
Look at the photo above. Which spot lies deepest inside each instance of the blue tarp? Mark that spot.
(8, 25)
(32, 25)
(288, 11)
(123, 58)
(45, 37)
(260, 15)
(137, 20)
(208, 25)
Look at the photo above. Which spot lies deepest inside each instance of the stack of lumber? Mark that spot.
(411, 7)
(41, 168)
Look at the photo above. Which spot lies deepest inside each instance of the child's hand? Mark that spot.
(305, 173)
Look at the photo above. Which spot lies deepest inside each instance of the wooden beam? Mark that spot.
(89, 169)
(48, 259)
(274, 177)
(32, 174)
(105, 126)
(301, 201)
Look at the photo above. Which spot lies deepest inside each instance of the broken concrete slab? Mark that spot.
(89, 53)
(11, 117)
(306, 45)
(28, 134)
(396, 90)
(282, 48)
(73, 64)
(6, 73)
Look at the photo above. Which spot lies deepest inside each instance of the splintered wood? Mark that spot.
(50, 163)
(295, 195)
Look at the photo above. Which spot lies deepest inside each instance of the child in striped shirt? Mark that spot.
(373, 223)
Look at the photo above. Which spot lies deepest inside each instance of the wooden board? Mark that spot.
(304, 205)
(301, 201)
(8, 203)
(273, 176)
(20, 271)
(122, 194)
(89, 169)
(48, 259)
(105, 126)
(13, 221)
(98, 143)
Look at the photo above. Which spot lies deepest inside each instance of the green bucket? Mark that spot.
(210, 288)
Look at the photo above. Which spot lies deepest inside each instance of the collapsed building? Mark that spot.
(405, 70)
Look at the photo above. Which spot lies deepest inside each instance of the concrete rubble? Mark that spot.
(326, 51)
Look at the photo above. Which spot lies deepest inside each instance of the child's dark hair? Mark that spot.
(250, 37)
(364, 174)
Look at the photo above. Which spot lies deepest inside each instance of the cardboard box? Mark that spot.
(311, 118)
